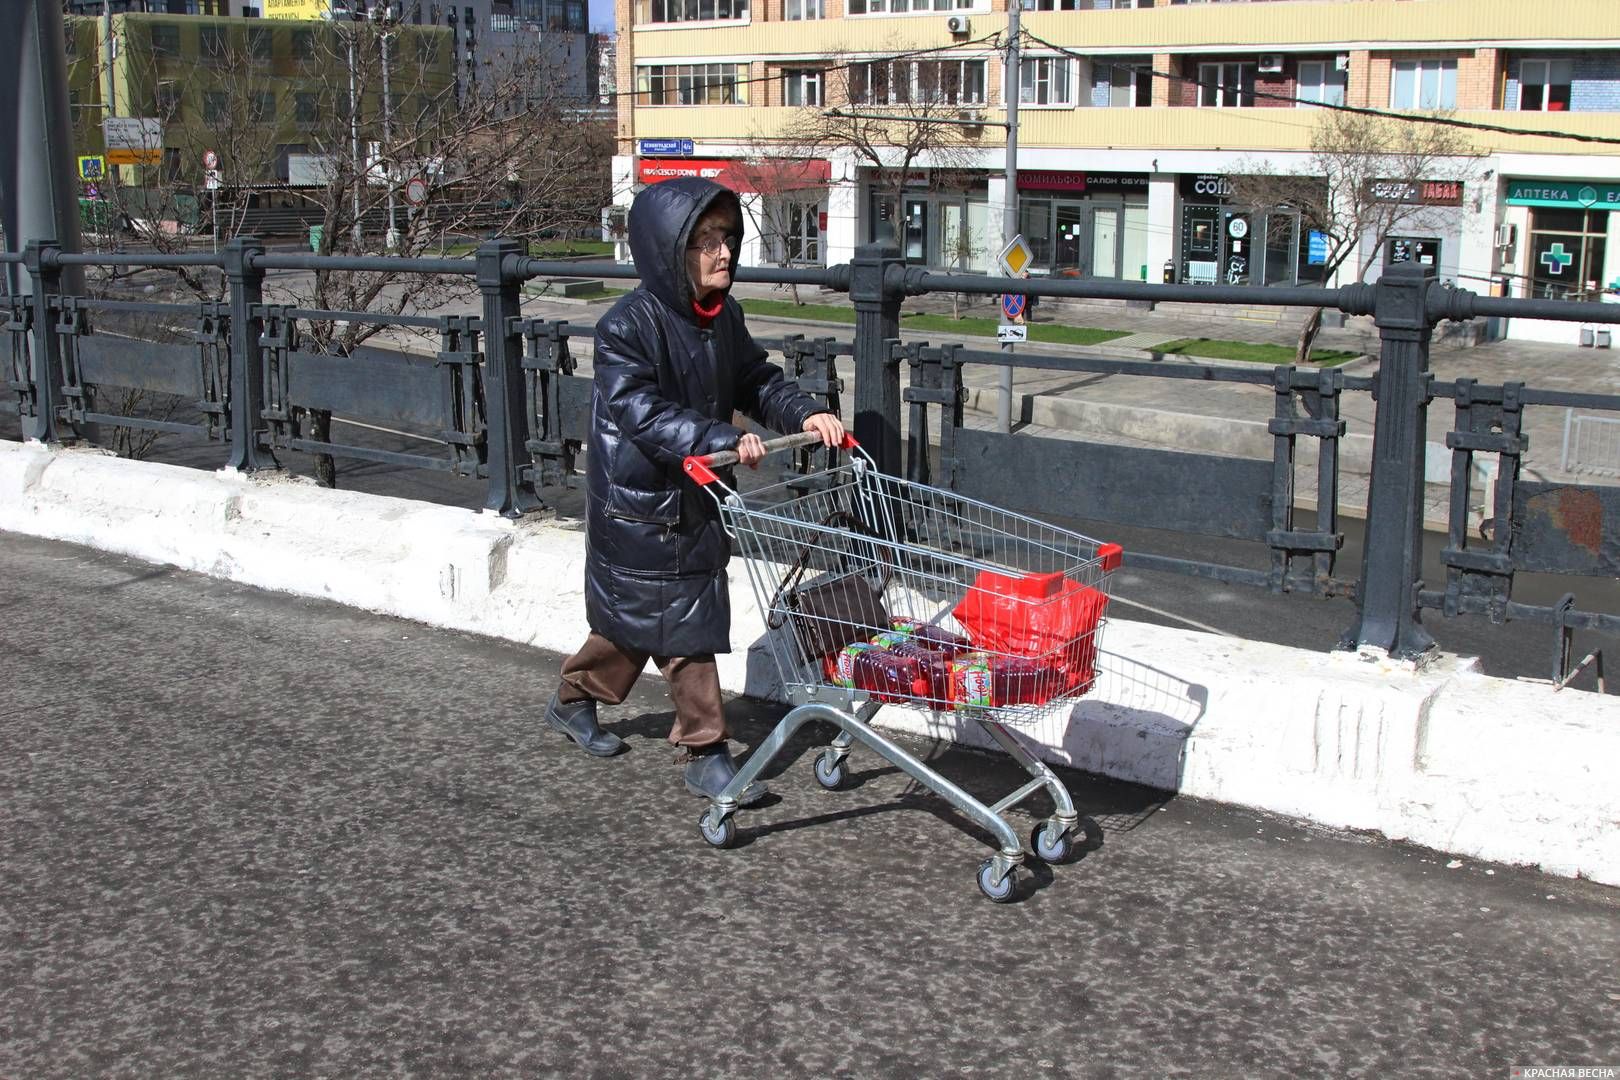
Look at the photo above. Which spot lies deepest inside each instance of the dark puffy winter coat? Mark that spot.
(655, 577)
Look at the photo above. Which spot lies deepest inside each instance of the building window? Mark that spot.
(900, 7)
(303, 44)
(1566, 252)
(306, 108)
(1126, 86)
(804, 9)
(801, 86)
(262, 108)
(167, 101)
(1544, 85)
(166, 40)
(1226, 86)
(1045, 80)
(1423, 84)
(667, 11)
(948, 82)
(216, 107)
(694, 84)
(259, 43)
(1078, 5)
(1320, 83)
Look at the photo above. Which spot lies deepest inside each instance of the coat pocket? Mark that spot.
(657, 507)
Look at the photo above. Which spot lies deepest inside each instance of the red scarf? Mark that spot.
(707, 315)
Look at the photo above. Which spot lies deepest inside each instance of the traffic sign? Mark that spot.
(1012, 306)
(210, 160)
(416, 191)
(132, 133)
(1012, 333)
(116, 156)
(92, 167)
(1016, 257)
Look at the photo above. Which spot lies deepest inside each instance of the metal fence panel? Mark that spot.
(1566, 529)
(1127, 485)
(168, 368)
(377, 384)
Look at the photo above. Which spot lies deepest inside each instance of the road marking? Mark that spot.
(1195, 624)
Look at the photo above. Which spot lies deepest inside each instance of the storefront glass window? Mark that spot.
(1567, 248)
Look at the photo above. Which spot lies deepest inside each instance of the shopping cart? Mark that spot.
(877, 592)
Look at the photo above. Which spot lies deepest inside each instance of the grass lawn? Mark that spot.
(1252, 352)
(944, 324)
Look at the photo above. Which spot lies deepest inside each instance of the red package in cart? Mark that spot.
(843, 671)
(936, 668)
(1016, 625)
(888, 676)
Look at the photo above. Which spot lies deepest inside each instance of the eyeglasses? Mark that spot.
(712, 243)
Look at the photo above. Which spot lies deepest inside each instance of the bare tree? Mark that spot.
(1364, 181)
(297, 114)
(896, 117)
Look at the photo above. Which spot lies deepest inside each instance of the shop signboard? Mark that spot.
(1205, 187)
(296, 9)
(1418, 192)
(1094, 182)
(1571, 194)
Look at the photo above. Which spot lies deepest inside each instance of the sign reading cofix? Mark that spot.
(1205, 187)
(1062, 180)
(747, 177)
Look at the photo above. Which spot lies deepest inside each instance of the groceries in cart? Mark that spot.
(1026, 639)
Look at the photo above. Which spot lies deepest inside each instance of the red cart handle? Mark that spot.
(700, 467)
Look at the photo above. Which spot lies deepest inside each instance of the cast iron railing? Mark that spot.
(502, 401)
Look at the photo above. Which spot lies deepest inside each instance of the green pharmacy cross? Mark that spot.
(1556, 258)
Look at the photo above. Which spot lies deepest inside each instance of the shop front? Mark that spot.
(1569, 226)
(1427, 229)
(941, 220)
(1223, 242)
(1085, 224)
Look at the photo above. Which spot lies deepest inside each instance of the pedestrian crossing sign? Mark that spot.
(92, 168)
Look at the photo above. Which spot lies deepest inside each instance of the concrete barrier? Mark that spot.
(1442, 756)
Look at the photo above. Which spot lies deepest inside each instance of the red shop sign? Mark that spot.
(1050, 180)
(767, 177)
(658, 170)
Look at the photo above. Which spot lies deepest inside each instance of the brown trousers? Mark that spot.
(602, 671)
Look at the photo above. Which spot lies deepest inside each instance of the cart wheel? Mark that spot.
(1001, 893)
(1051, 843)
(722, 835)
(831, 773)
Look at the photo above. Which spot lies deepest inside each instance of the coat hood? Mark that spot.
(662, 218)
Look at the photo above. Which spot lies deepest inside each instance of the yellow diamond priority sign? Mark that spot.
(1015, 257)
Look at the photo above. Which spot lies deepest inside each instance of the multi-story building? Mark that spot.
(1137, 124)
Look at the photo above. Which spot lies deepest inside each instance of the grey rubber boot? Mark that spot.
(577, 720)
(708, 774)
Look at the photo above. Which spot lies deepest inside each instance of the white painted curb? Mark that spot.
(1445, 757)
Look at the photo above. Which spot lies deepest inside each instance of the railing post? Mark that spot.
(246, 402)
(876, 289)
(45, 370)
(510, 493)
(1393, 558)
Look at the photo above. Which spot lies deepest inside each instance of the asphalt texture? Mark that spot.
(243, 834)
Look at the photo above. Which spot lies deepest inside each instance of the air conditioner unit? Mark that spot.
(1271, 62)
(1341, 62)
(957, 24)
(1506, 235)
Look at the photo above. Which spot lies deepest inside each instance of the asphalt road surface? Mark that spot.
(243, 834)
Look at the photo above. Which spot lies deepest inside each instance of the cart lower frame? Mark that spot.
(1053, 840)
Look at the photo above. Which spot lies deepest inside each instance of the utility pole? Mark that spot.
(354, 137)
(1009, 210)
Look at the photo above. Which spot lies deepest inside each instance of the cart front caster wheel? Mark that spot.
(997, 893)
(831, 773)
(1052, 843)
(722, 835)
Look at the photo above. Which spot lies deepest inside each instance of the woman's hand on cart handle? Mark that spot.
(700, 466)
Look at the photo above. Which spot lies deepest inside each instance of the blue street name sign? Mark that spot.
(667, 147)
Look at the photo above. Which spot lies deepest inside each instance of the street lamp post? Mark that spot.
(1009, 210)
